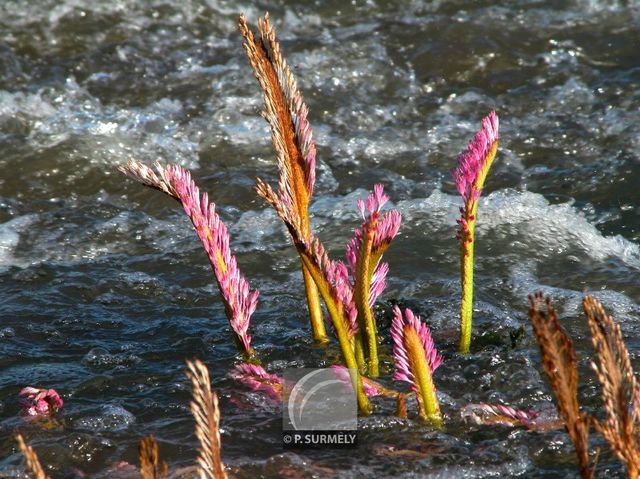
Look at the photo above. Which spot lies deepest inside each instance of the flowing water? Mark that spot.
(104, 288)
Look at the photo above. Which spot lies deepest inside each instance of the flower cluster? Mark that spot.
(39, 402)
(416, 359)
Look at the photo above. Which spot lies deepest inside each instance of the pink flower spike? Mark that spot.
(374, 203)
(387, 229)
(338, 276)
(476, 158)
(403, 367)
(257, 379)
(490, 414)
(240, 302)
(39, 402)
(416, 359)
(378, 282)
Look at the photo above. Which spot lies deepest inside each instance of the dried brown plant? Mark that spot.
(33, 463)
(150, 465)
(561, 365)
(619, 386)
(286, 113)
(206, 412)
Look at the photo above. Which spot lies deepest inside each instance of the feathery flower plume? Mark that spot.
(240, 302)
(620, 393)
(206, 412)
(33, 463)
(39, 402)
(150, 465)
(369, 273)
(561, 365)
(257, 379)
(416, 359)
(286, 113)
(470, 175)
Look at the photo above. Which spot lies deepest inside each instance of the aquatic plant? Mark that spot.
(561, 365)
(150, 465)
(206, 412)
(286, 113)
(620, 393)
(416, 359)
(33, 463)
(499, 414)
(470, 175)
(239, 301)
(364, 252)
(256, 378)
(36, 402)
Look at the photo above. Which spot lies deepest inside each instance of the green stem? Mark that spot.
(364, 272)
(315, 310)
(466, 280)
(359, 351)
(338, 319)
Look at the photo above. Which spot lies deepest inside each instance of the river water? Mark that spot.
(104, 288)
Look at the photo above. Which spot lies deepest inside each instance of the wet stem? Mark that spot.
(362, 291)
(315, 310)
(467, 246)
(338, 320)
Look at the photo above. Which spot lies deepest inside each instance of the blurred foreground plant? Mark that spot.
(619, 387)
(205, 410)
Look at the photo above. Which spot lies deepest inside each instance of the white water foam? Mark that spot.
(545, 229)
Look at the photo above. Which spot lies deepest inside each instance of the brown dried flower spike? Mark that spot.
(560, 363)
(286, 113)
(619, 386)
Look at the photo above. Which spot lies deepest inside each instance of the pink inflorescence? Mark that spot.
(338, 276)
(214, 236)
(257, 379)
(483, 414)
(39, 402)
(385, 229)
(403, 369)
(472, 160)
(175, 181)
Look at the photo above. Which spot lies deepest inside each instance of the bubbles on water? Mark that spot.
(101, 358)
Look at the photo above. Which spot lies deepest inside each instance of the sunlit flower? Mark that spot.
(240, 302)
(416, 359)
(470, 175)
(475, 160)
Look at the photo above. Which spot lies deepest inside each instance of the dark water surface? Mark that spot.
(104, 288)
